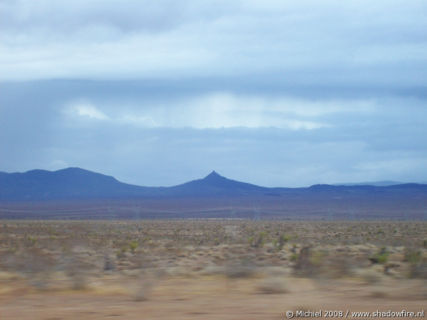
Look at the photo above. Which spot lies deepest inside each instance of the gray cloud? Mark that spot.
(304, 41)
(364, 138)
(284, 93)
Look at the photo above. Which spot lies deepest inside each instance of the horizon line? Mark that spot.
(379, 183)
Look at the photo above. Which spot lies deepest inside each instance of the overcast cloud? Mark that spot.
(278, 93)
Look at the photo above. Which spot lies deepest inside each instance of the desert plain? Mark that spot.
(209, 269)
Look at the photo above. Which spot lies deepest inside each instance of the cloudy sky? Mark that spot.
(273, 92)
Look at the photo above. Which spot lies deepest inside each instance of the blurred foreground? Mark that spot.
(218, 269)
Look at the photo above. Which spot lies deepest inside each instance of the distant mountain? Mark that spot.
(215, 185)
(367, 188)
(75, 193)
(384, 183)
(70, 183)
(76, 183)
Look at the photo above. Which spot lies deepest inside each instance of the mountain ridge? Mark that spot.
(77, 183)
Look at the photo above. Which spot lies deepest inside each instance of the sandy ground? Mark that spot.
(209, 297)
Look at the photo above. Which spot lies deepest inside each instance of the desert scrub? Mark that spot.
(418, 264)
(281, 241)
(317, 258)
(419, 270)
(109, 264)
(121, 253)
(243, 268)
(380, 257)
(370, 276)
(133, 245)
(303, 265)
(258, 241)
(412, 256)
(275, 285)
(31, 241)
(294, 257)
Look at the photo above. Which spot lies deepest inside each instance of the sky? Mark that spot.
(156, 93)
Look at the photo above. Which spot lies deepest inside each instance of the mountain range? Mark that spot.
(77, 183)
(76, 189)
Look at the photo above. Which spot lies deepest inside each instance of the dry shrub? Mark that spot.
(304, 264)
(143, 291)
(273, 285)
(145, 285)
(419, 270)
(337, 267)
(36, 264)
(417, 263)
(370, 276)
(240, 269)
(109, 264)
(77, 270)
(322, 264)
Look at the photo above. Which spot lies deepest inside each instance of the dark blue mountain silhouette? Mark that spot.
(76, 183)
(63, 184)
(216, 185)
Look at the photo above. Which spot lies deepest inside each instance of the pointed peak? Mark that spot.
(213, 174)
